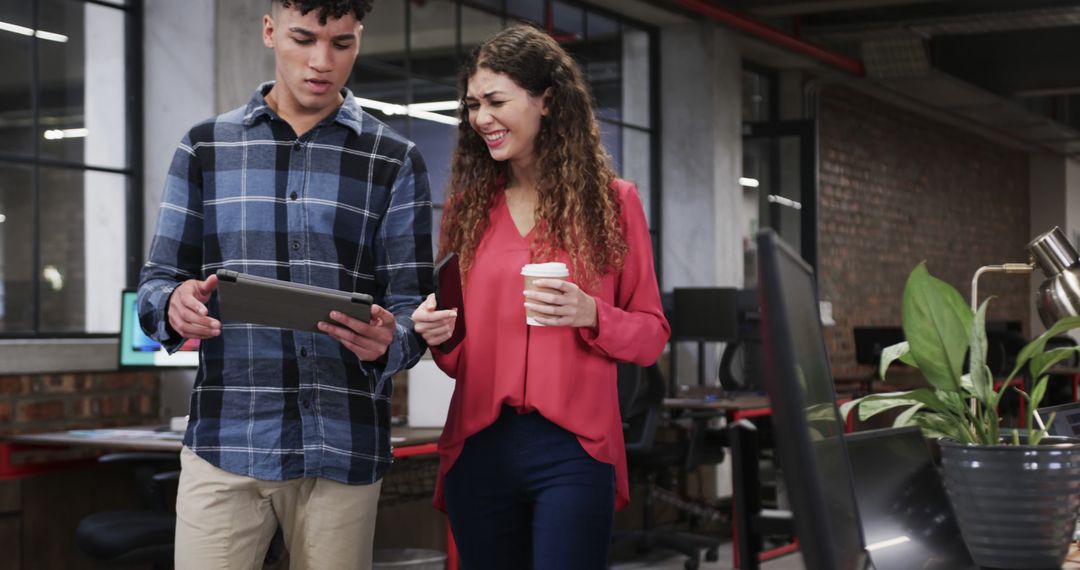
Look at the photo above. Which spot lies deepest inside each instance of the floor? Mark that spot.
(666, 561)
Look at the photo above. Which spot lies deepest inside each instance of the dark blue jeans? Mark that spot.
(524, 494)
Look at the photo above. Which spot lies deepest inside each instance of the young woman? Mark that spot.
(533, 464)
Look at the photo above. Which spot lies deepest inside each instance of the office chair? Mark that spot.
(641, 397)
(144, 536)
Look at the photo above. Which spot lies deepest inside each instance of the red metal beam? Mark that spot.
(768, 33)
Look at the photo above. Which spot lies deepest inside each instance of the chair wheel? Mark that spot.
(712, 554)
(692, 564)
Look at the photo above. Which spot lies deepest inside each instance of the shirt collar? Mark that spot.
(348, 113)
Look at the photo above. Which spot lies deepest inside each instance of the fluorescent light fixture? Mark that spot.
(749, 182)
(24, 31)
(784, 201)
(413, 110)
(3, 218)
(57, 134)
(436, 106)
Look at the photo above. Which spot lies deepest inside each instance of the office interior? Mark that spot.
(870, 135)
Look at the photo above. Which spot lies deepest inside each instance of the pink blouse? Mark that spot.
(567, 374)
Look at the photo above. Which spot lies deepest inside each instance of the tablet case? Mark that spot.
(448, 295)
(276, 303)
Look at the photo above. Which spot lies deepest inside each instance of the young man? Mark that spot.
(300, 184)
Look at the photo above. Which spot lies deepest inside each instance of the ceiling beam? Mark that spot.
(784, 8)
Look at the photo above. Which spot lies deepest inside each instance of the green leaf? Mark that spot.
(937, 325)
(846, 407)
(873, 405)
(1042, 362)
(938, 426)
(890, 354)
(1036, 346)
(982, 381)
(906, 417)
(1037, 394)
(822, 411)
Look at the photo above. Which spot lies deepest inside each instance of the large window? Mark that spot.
(67, 129)
(412, 51)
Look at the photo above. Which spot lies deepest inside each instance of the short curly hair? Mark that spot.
(329, 8)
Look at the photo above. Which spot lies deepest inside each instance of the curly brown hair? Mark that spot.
(328, 8)
(577, 207)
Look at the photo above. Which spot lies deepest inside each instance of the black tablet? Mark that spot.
(283, 304)
(448, 295)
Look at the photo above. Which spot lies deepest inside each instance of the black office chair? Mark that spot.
(144, 536)
(641, 396)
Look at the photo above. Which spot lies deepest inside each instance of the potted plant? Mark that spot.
(1015, 492)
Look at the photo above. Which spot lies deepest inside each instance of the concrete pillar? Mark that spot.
(242, 62)
(178, 87)
(701, 157)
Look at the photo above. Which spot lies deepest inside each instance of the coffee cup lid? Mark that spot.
(552, 269)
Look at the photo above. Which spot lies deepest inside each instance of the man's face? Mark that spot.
(313, 61)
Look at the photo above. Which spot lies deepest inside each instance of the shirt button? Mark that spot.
(293, 195)
(295, 245)
(296, 145)
(303, 352)
(307, 403)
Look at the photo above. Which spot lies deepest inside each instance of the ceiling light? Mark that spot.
(749, 182)
(410, 110)
(784, 201)
(3, 218)
(24, 31)
(57, 134)
(436, 106)
(53, 277)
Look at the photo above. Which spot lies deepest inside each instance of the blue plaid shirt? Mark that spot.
(346, 206)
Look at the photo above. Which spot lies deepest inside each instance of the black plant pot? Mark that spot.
(1016, 504)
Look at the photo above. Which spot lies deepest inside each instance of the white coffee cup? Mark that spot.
(533, 271)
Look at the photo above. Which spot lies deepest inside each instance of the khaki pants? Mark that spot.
(226, 521)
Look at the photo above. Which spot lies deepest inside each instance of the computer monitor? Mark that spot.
(907, 520)
(1066, 419)
(140, 351)
(808, 429)
(708, 314)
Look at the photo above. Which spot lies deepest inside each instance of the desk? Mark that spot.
(733, 408)
(407, 442)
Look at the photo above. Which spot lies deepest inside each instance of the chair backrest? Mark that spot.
(641, 399)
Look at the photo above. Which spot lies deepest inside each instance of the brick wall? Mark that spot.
(51, 402)
(896, 189)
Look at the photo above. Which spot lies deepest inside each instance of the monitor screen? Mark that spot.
(139, 350)
(705, 313)
(809, 431)
(1066, 419)
(907, 520)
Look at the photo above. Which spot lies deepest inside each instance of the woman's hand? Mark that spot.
(436, 327)
(567, 306)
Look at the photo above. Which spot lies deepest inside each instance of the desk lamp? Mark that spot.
(1059, 294)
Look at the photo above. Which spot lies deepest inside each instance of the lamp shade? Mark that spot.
(1059, 294)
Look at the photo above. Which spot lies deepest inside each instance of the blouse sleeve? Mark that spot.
(448, 361)
(633, 328)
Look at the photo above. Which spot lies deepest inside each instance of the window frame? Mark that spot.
(133, 172)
